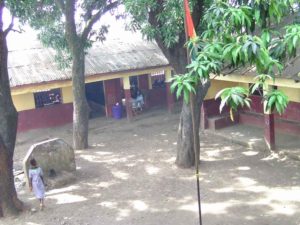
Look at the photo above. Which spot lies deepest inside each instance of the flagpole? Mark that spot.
(195, 135)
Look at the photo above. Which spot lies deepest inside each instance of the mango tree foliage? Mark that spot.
(170, 19)
(251, 34)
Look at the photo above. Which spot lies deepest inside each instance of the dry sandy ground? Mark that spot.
(128, 177)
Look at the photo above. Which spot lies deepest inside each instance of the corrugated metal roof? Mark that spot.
(291, 70)
(36, 64)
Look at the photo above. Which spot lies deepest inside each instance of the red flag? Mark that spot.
(189, 21)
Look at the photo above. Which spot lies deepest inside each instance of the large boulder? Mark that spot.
(57, 160)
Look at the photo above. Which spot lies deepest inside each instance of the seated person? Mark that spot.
(138, 101)
(140, 98)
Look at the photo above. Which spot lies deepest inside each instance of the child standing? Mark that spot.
(36, 182)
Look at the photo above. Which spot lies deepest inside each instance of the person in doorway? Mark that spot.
(140, 98)
(36, 182)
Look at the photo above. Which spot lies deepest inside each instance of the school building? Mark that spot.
(289, 122)
(42, 93)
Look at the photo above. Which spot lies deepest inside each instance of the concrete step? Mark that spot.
(221, 121)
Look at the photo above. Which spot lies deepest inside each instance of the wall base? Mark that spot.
(50, 116)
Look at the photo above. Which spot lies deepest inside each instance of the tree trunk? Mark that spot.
(80, 105)
(178, 59)
(9, 202)
(185, 149)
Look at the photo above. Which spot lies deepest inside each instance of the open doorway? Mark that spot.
(95, 97)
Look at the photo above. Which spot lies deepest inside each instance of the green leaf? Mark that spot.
(247, 102)
(271, 101)
(280, 99)
(295, 40)
(221, 92)
(255, 87)
(235, 54)
(179, 91)
(173, 85)
(223, 103)
(186, 96)
(254, 48)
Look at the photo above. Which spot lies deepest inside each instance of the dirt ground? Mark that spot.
(128, 177)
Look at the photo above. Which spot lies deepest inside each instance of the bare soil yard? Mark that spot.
(128, 177)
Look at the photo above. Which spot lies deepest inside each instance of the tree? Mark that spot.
(9, 202)
(238, 34)
(243, 34)
(67, 26)
(231, 29)
(163, 21)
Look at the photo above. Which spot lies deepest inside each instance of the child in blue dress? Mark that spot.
(36, 182)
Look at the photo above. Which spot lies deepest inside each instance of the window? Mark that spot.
(158, 79)
(46, 98)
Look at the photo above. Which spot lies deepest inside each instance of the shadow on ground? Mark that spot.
(128, 177)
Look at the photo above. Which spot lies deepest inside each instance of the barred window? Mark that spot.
(158, 79)
(47, 97)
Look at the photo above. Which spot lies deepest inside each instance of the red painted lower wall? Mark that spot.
(289, 122)
(287, 126)
(292, 112)
(157, 97)
(61, 114)
(252, 119)
(50, 116)
(257, 105)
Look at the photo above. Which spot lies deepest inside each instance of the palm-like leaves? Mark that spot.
(276, 100)
(206, 59)
(183, 84)
(260, 82)
(234, 97)
(229, 40)
(292, 38)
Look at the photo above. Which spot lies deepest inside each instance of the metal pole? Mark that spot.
(195, 138)
(197, 151)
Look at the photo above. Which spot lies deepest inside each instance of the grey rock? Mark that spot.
(57, 160)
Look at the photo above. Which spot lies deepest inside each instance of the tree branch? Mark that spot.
(18, 31)
(10, 27)
(197, 13)
(70, 29)
(175, 54)
(95, 18)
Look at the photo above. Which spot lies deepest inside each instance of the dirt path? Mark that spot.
(128, 177)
